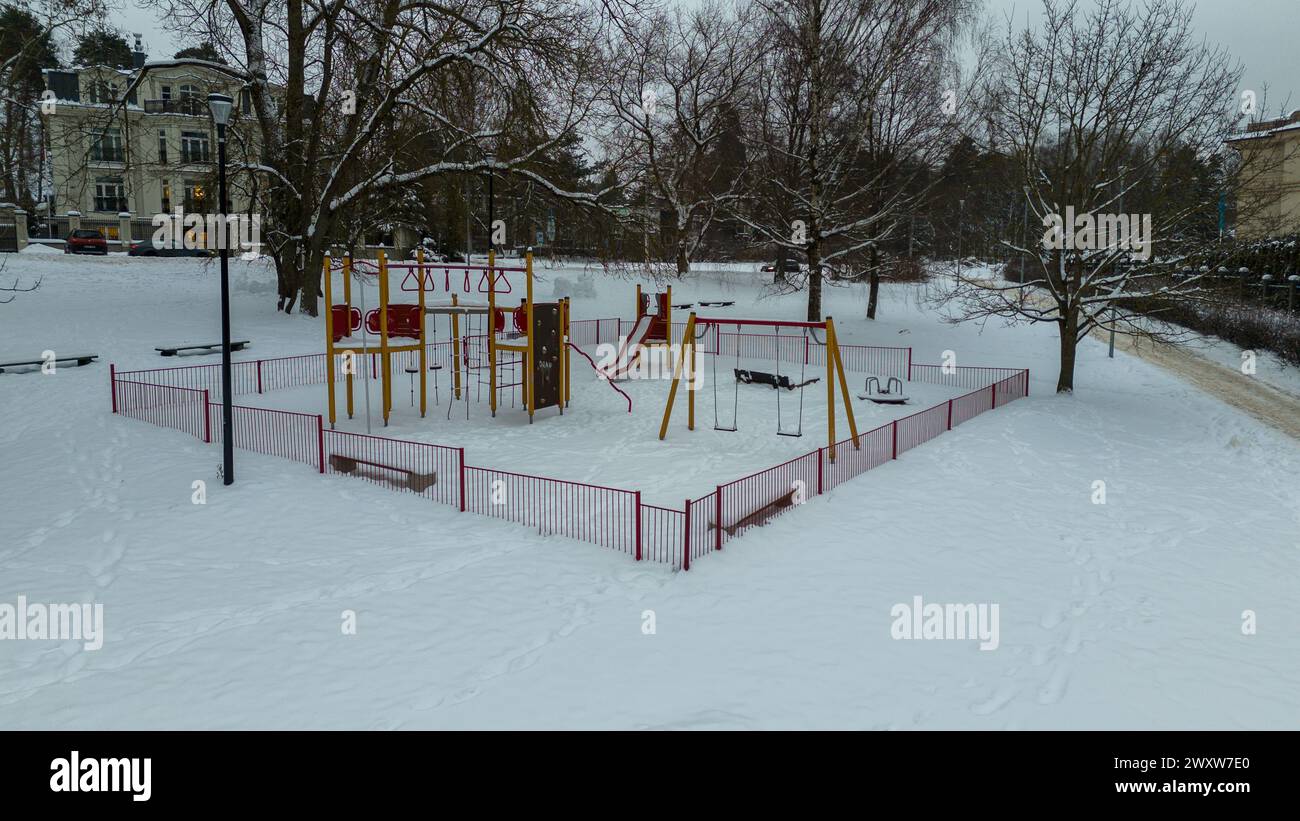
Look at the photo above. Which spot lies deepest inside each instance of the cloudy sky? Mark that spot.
(1263, 34)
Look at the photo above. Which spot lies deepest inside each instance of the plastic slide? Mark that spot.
(623, 362)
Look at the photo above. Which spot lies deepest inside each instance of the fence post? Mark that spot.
(805, 349)
(207, 420)
(949, 414)
(320, 439)
(259, 376)
(461, 459)
(995, 396)
(820, 453)
(909, 363)
(1026, 381)
(112, 384)
(638, 524)
(686, 538)
(895, 453)
(717, 545)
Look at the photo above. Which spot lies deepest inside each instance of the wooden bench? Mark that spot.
(761, 516)
(716, 304)
(172, 351)
(78, 360)
(419, 482)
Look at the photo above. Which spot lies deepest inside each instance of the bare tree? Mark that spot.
(330, 82)
(1095, 108)
(847, 114)
(676, 83)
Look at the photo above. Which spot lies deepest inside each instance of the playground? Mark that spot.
(507, 378)
(607, 431)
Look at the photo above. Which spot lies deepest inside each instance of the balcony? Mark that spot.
(183, 105)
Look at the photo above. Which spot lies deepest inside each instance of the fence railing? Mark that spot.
(187, 398)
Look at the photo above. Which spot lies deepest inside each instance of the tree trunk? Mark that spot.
(873, 275)
(1069, 345)
(683, 262)
(814, 283)
(781, 256)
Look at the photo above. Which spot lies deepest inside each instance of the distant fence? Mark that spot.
(187, 399)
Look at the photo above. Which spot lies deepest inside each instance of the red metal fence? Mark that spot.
(610, 517)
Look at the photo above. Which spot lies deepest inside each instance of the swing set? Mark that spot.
(698, 327)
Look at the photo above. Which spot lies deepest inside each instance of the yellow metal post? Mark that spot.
(424, 368)
(529, 370)
(677, 378)
(347, 300)
(384, 371)
(844, 386)
(668, 316)
(688, 362)
(455, 345)
(564, 349)
(329, 337)
(830, 389)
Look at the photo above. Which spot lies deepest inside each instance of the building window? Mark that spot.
(166, 196)
(195, 198)
(162, 146)
(102, 92)
(245, 101)
(110, 194)
(194, 147)
(106, 145)
(166, 92)
(189, 92)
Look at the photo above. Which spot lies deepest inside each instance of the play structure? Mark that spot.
(698, 327)
(531, 355)
(891, 394)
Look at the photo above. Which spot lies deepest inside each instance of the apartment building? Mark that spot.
(1269, 202)
(145, 152)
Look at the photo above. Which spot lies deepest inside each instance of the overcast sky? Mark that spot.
(1263, 34)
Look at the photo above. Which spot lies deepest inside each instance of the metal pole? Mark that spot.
(1111, 352)
(227, 402)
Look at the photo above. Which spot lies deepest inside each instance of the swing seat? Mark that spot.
(775, 380)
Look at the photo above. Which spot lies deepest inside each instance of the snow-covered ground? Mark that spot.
(229, 614)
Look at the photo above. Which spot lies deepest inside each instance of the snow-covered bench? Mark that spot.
(175, 349)
(77, 359)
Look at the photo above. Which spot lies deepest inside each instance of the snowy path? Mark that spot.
(1270, 405)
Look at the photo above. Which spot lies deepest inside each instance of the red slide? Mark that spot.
(597, 370)
(623, 362)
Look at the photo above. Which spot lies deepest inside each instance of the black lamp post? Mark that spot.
(220, 105)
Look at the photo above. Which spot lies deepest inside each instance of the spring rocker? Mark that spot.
(891, 394)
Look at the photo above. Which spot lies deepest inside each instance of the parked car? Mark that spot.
(146, 248)
(85, 241)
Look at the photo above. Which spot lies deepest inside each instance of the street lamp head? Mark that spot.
(491, 158)
(220, 106)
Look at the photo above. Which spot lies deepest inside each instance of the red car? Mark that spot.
(86, 241)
